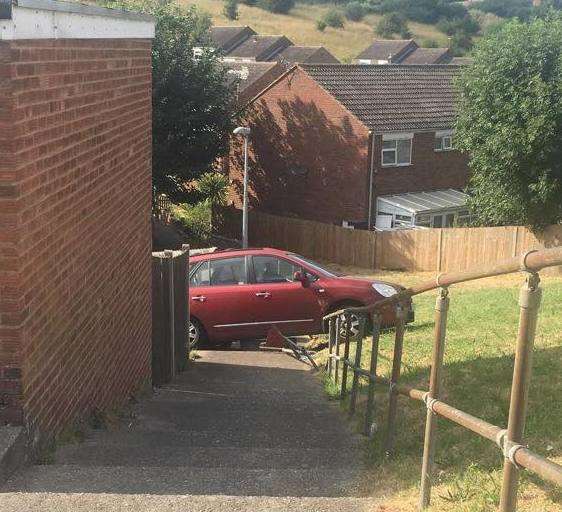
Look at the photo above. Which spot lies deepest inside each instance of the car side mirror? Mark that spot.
(301, 277)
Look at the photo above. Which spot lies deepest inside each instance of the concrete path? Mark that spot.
(239, 431)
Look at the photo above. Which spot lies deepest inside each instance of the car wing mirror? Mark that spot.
(301, 278)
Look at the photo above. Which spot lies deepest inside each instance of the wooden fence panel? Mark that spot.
(169, 314)
(440, 250)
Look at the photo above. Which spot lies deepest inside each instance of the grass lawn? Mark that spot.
(477, 374)
(300, 27)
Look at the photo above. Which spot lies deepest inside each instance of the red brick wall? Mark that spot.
(430, 169)
(296, 125)
(75, 241)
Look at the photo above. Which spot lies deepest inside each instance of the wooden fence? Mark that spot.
(447, 249)
(170, 347)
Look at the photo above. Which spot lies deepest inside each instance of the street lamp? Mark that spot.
(245, 132)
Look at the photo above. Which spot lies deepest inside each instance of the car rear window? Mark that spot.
(221, 272)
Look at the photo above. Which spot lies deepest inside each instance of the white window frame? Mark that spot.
(442, 135)
(396, 137)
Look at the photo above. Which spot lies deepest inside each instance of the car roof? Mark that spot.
(226, 253)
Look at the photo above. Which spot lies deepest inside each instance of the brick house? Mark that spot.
(75, 202)
(328, 141)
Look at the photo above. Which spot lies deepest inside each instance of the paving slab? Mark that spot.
(239, 431)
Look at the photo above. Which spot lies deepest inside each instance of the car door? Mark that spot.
(221, 298)
(280, 300)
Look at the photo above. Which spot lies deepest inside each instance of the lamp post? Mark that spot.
(245, 132)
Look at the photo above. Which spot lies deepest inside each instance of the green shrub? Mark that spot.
(468, 25)
(321, 25)
(333, 18)
(195, 219)
(391, 24)
(276, 6)
(355, 11)
(230, 9)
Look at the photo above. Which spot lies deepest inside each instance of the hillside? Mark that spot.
(299, 26)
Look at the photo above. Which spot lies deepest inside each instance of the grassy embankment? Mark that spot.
(300, 27)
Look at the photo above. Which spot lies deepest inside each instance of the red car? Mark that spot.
(239, 294)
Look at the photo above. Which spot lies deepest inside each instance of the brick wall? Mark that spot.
(297, 125)
(430, 169)
(75, 186)
(308, 154)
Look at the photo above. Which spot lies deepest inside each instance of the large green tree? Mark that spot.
(193, 107)
(510, 124)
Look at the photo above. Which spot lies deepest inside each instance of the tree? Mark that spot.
(333, 18)
(192, 105)
(355, 11)
(393, 23)
(276, 6)
(510, 124)
(321, 25)
(230, 9)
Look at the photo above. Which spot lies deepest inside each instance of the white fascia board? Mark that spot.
(444, 133)
(31, 23)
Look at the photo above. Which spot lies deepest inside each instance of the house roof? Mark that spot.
(392, 98)
(423, 202)
(247, 72)
(226, 38)
(259, 47)
(308, 54)
(427, 56)
(382, 48)
(461, 61)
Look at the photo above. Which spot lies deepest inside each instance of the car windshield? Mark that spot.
(315, 266)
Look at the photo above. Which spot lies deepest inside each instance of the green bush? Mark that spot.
(333, 18)
(195, 219)
(468, 25)
(230, 9)
(321, 25)
(391, 24)
(355, 11)
(276, 6)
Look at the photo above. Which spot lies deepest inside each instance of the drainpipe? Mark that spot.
(371, 178)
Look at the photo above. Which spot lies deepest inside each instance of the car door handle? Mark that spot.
(200, 298)
(265, 295)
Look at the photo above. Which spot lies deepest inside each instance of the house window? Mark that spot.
(443, 141)
(396, 150)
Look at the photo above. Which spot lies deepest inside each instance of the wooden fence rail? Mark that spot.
(440, 250)
(509, 440)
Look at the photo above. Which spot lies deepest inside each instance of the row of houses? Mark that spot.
(368, 146)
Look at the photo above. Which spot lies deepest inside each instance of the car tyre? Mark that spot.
(196, 334)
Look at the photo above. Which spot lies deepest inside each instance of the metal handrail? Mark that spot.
(509, 440)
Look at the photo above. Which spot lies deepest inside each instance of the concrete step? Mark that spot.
(40, 502)
(139, 452)
(318, 482)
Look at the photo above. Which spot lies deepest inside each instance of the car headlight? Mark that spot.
(384, 289)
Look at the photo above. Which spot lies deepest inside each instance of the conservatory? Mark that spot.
(434, 209)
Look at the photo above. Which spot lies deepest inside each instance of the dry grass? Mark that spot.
(300, 26)
(478, 368)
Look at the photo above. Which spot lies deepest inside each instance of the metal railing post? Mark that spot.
(441, 309)
(337, 361)
(331, 339)
(370, 412)
(357, 366)
(529, 302)
(345, 361)
(395, 375)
